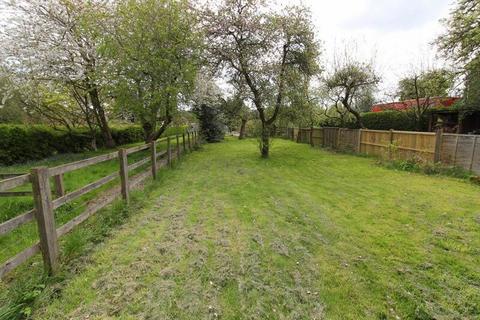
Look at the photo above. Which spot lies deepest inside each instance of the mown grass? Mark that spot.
(26, 235)
(28, 284)
(306, 234)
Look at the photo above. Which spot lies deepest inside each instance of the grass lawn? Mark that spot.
(307, 234)
(25, 236)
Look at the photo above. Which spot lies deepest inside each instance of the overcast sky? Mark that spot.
(398, 33)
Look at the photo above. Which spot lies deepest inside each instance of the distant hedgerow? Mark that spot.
(21, 143)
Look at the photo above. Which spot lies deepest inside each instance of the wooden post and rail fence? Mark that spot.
(459, 150)
(45, 204)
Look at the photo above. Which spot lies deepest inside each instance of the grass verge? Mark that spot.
(306, 234)
(28, 286)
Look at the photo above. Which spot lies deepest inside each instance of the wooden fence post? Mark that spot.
(390, 146)
(178, 147)
(359, 145)
(311, 136)
(473, 152)
(183, 142)
(153, 158)
(45, 218)
(456, 151)
(169, 152)
(438, 145)
(59, 185)
(337, 144)
(189, 143)
(122, 157)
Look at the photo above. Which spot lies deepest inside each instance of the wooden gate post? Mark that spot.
(59, 185)
(45, 218)
(438, 145)
(153, 158)
(169, 152)
(178, 147)
(122, 158)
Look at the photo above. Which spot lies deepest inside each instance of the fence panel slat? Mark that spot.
(15, 193)
(14, 182)
(80, 192)
(81, 164)
(17, 260)
(138, 164)
(16, 222)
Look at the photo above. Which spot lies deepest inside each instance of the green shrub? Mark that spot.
(20, 143)
(127, 134)
(336, 123)
(413, 165)
(171, 131)
(387, 120)
(212, 127)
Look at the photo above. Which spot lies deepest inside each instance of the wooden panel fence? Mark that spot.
(44, 204)
(451, 149)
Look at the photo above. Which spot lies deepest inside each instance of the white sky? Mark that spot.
(397, 33)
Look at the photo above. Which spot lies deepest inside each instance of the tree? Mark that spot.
(461, 42)
(236, 113)
(423, 87)
(301, 107)
(207, 106)
(424, 84)
(211, 125)
(10, 106)
(155, 45)
(56, 42)
(262, 47)
(348, 85)
(471, 93)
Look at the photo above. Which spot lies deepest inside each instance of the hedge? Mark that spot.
(20, 143)
(385, 120)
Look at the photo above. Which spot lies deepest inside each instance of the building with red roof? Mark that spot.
(441, 114)
(408, 104)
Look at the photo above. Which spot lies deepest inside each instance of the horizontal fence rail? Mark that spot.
(44, 204)
(458, 150)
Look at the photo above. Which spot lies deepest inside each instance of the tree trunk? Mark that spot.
(265, 141)
(102, 119)
(355, 113)
(242, 129)
(150, 134)
(147, 132)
